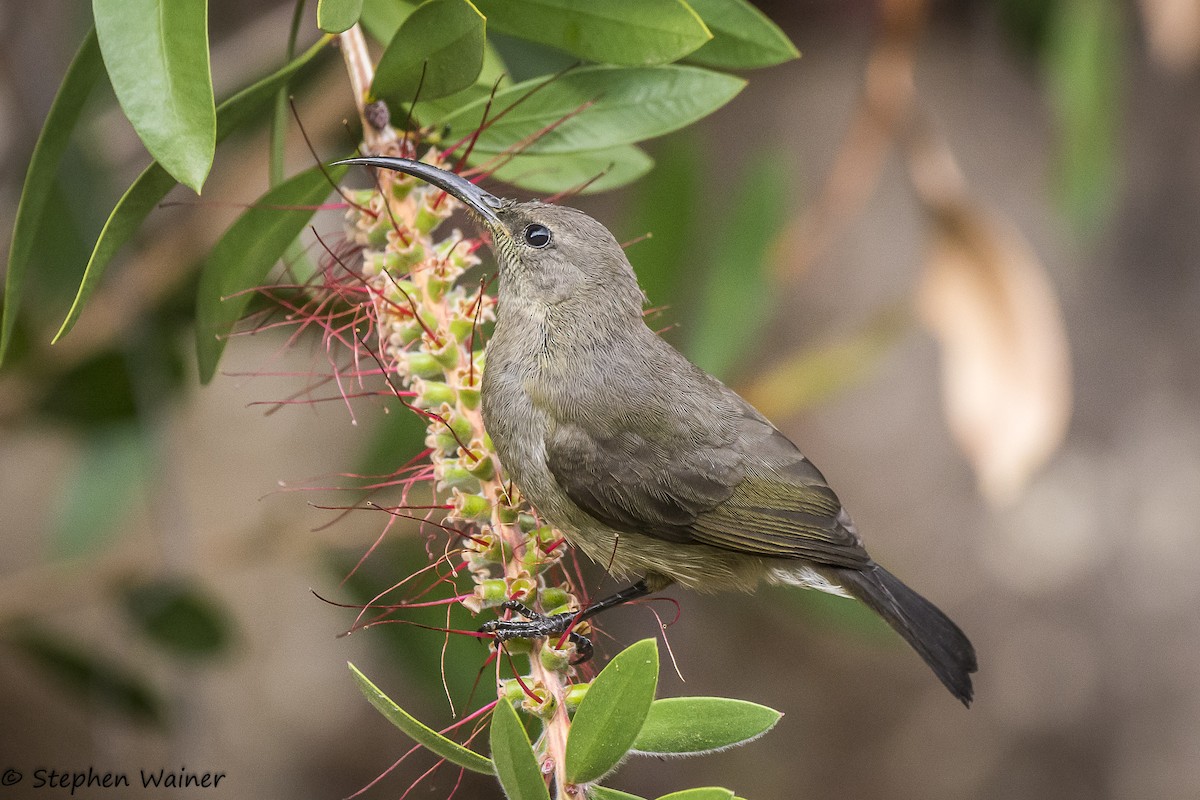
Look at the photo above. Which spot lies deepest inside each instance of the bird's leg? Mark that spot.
(540, 626)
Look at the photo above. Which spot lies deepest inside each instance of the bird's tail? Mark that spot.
(931, 633)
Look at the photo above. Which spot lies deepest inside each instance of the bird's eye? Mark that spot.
(537, 235)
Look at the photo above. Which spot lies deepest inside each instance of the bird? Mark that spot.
(646, 463)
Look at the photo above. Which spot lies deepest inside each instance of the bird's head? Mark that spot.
(547, 253)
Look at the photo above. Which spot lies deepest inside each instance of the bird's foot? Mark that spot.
(538, 626)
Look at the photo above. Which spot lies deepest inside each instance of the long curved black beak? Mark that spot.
(481, 202)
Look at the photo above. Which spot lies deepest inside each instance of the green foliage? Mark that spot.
(335, 16)
(1083, 62)
(240, 261)
(179, 617)
(39, 178)
(699, 725)
(743, 37)
(628, 32)
(597, 107)
(732, 308)
(618, 717)
(559, 172)
(607, 722)
(96, 495)
(422, 734)
(438, 49)
(153, 184)
(156, 56)
(516, 765)
(91, 679)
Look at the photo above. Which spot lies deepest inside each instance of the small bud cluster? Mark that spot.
(427, 327)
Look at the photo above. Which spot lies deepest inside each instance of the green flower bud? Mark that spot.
(574, 696)
(432, 393)
(554, 597)
(492, 591)
(483, 467)
(461, 328)
(469, 398)
(455, 477)
(447, 355)
(472, 506)
(421, 365)
(552, 658)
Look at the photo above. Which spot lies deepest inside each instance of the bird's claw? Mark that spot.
(538, 626)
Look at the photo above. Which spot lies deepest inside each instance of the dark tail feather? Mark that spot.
(939, 641)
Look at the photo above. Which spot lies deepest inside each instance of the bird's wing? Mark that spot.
(760, 497)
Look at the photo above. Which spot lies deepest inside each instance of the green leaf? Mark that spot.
(516, 765)
(743, 37)
(156, 54)
(737, 298)
(1084, 62)
(93, 680)
(703, 793)
(807, 377)
(629, 32)
(695, 725)
(623, 105)
(443, 39)
(154, 182)
(39, 178)
(427, 737)
(335, 16)
(382, 18)
(432, 110)
(612, 712)
(242, 258)
(98, 493)
(548, 174)
(666, 206)
(179, 617)
(605, 793)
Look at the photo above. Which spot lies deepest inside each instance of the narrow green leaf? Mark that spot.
(743, 37)
(612, 712)
(516, 765)
(39, 178)
(605, 169)
(425, 736)
(1085, 66)
(179, 617)
(807, 377)
(154, 182)
(629, 32)
(156, 54)
(443, 40)
(702, 793)
(605, 793)
(92, 679)
(242, 258)
(98, 493)
(737, 297)
(666, 206)
(696, 725)
(382, 18)
(335, 16)
(597, 107)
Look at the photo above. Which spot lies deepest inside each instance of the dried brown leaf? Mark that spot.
(1006, 375)
(1173, 32)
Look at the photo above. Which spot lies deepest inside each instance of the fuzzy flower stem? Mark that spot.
(426, 327)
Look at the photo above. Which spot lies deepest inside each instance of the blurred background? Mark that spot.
(951, 251)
